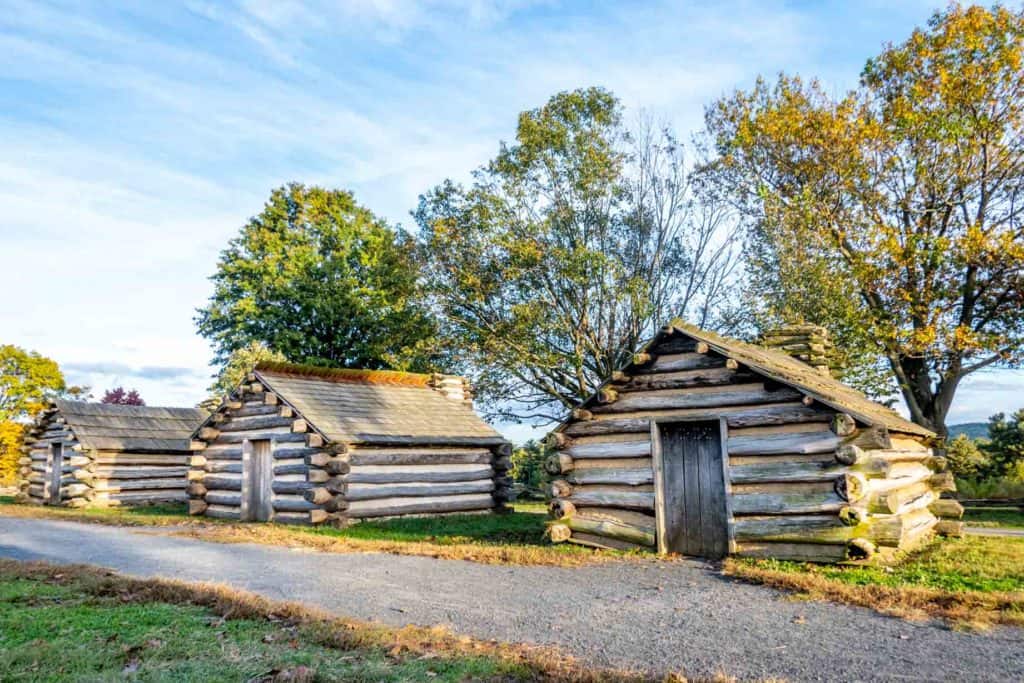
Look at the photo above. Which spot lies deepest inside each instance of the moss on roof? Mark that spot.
(411, 379)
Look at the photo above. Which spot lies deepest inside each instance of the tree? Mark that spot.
(118, 396)
(901, 200)
(966, 460)
(528, 465)
(1005, 446)
(323, 281)
(239, 364)
(27, 381)
(570, 246)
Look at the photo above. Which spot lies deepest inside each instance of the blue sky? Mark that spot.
(136, 140)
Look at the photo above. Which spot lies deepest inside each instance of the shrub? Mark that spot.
(965, 458)
(528, 465)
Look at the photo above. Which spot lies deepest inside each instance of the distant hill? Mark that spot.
(974, 430)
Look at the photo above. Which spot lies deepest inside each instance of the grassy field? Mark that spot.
(514, 538)
(86, 624)
(1005, 518)
(976, 581)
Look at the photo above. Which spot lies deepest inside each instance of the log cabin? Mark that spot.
(310, 445)
(79, 454)
(708, 446)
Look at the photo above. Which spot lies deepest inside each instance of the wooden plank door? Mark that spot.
(56, 471)
(692, 490)
(259, 477)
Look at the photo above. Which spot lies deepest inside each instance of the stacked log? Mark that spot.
(805, 481)
(807, 343)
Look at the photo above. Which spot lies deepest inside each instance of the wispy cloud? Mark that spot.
(137, 139)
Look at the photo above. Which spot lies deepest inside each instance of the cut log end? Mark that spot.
(561, 509)
(559, 533)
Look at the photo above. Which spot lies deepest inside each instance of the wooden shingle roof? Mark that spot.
(101, 426)
(786, 370)
(353, 406)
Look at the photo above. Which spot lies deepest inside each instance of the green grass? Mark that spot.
(975, 580)
(1011, 518)
(63, 632)
(971, 563)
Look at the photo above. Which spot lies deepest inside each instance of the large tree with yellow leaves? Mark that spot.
(893, 213)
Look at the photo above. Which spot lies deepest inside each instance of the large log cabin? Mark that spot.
(79, 454)
(309, 445)
(709, 446)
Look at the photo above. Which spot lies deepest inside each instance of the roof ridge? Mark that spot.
(349, 375)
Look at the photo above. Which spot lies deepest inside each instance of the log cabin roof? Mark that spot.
(352, 406)
(100, 426)
(789, 371)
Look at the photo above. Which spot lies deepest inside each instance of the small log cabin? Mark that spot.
(80, 454)
(709, 446)
(308, 445)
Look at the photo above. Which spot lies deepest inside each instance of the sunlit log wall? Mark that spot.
(804, 481)
(316, 481)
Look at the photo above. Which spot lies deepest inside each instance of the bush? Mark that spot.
(993, 487)
(11, 437)
(1005, 447)
(528, 465)
(966, 461)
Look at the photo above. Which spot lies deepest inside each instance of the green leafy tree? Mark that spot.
(1005, 446)
(528, 465)
(574, 243)
(28, 380)
(892, 213)
(239, 364)
(966, 461)
(321, 280)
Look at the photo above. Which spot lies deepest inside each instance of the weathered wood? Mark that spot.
(224, 498)
(738, 394)
(793, 529)
(196, 489)
(786, 503)
(418, 473)
(603, 542)
(558, 463)
(222, 512)
(895, 500)
(278, 435)
(114, 485)
(949, 527)
(560, 488)
(197, 507)
(947, 508)
(685, 379)
(802, 552)
(798, 471)
(279, 486)
(559, 533)
(843, 424)
(673, 362)
(775, 444)
(259, 423)
(851, 486)
(138, 472)
(895, 531)
(852, 516)
(611, 529)
(560, 508)
(437, 456)
(299, 467)
(254, 409)
(613, 449)
(293, 504)
(626, 477)
(374, 491)
(222, 482)
(942, 482)
(606, 496)
(875, 436)
(216, 466)
(387, 507)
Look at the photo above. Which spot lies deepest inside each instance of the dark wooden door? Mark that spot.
(259, 480)
(693, 489)
(56, 471)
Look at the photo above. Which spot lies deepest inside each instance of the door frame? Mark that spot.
(56, 472)
(658, 463)
(245, 514)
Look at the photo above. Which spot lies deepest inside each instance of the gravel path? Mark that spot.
(679, 616)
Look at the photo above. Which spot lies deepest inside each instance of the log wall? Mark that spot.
(804, 482)
(97, 478)
(316, 481)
